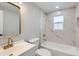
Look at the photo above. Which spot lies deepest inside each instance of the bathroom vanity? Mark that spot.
(20, 48)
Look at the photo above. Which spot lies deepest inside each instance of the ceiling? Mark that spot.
(51, 6)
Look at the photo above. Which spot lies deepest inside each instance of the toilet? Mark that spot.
(41, 51)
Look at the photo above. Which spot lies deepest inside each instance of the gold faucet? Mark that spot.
(9, 44)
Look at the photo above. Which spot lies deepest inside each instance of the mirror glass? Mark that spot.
(9, 19)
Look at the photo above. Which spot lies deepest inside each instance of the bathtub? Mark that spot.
(60, 49)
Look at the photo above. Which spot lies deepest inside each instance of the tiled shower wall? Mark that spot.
(77, 27)
(65, 36)
(70, 34)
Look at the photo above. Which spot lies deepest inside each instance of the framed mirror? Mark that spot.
(10, 21)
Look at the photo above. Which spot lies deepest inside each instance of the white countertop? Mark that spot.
(18, 48)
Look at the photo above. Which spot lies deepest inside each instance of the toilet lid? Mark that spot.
(43, 52)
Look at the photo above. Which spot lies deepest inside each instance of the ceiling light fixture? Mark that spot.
(20, 2)
(57, 6)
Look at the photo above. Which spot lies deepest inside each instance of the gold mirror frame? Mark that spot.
(19, 15)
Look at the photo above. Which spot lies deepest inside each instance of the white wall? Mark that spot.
(77, 28)
(65, 36)
(32, 18)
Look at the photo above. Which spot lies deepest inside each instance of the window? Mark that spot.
(58, 22)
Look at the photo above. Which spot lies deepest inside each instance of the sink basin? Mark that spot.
(18, 48)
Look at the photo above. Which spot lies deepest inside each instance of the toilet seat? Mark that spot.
(43, 52)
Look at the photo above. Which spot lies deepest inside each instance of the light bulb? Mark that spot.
(57, 6)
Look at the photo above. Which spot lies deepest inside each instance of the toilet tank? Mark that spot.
(34, 41)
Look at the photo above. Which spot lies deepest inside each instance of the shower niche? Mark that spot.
(77, 21)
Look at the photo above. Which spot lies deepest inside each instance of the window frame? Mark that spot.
(54, 23)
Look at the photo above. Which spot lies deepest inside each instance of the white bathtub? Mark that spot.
(60, 49)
